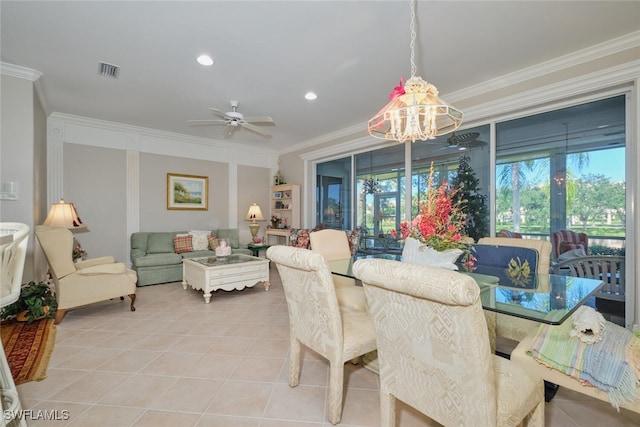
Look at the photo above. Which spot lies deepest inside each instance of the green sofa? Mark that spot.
(154, 260)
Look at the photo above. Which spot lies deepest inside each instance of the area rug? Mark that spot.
(28, 347)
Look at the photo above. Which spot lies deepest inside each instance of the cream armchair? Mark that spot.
(434, 352)
(85, 282)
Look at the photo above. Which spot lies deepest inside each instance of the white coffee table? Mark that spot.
(236, 271)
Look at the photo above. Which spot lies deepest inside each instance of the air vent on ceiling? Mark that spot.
(108, 70)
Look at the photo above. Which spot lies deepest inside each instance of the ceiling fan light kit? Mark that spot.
(415, 111)
(234, 119)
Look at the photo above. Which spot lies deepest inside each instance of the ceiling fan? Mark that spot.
(464, 141)
(234, 119)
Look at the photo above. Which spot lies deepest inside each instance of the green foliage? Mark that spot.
(604, 250)
(474, 203)
(34, 297)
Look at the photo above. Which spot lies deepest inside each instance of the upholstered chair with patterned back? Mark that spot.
(333, 245)
(434, 352)
(318, 321)
(513, 328)
(567, 240)
(85, 282)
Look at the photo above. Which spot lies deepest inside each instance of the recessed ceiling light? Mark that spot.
(310, 96)
(205, 60)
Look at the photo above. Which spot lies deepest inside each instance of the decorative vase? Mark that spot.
(415, 252)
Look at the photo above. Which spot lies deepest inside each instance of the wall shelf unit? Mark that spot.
(285, 204)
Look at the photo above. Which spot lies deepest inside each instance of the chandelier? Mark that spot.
(371, 184)
(415, 111)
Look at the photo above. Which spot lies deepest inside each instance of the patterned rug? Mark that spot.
(28, 348)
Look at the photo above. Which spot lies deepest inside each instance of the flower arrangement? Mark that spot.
(440, 223)
(78, 252)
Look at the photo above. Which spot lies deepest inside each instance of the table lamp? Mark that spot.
(64, 215)
(254, 214)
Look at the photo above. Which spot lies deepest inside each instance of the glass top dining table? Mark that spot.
(544, 298)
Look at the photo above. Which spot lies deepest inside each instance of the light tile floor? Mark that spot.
(177, 361)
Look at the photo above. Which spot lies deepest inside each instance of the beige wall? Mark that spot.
(22, 159)
(91, 174)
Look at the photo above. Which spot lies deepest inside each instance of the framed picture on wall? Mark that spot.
(187, 192)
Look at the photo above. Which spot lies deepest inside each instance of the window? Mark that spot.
(564, 169)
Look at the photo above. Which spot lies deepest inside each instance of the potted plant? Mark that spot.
(36, 301)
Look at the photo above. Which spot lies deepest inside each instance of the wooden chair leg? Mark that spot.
(60, 313)
(133, 300)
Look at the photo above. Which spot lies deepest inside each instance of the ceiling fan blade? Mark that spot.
(258, 119)
(254, 128)
(465, 137)
(206, 122)
(219, 112)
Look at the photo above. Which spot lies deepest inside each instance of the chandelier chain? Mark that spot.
(412, 45)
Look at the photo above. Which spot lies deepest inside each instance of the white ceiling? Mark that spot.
(268, 54)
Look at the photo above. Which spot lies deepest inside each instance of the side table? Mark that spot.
(257, 247)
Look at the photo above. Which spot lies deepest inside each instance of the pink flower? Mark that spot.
(440, 222)
(397, 91)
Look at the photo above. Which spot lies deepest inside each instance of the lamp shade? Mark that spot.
(254, 214)
(64, 215)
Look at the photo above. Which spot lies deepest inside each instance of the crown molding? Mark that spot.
(620, 74)
(27, 74)
(19, 72)
(153, 133)
(614, 79)
(128, 137)
(610, 47)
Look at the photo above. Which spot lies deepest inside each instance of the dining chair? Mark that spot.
(334, 245)
(318, 321)
(12, 259)
(434, 352)
(84, 282)
(510, 329)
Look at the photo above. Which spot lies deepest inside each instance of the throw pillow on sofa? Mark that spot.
(200, 239)
(182, 243)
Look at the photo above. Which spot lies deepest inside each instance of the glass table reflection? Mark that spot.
(544, 298)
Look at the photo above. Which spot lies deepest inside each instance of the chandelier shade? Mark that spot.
(418, 114)
(415, 111)
(64, 215)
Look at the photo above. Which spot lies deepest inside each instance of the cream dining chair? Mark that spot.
(510, 329)
(318, 321)
(434, 352)
(333, 245)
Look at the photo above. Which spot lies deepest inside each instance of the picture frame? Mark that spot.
(277, 195)
(187, 192)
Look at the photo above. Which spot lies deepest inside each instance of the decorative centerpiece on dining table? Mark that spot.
(436, 236)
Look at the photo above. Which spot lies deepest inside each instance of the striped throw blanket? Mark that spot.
(602, 364)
